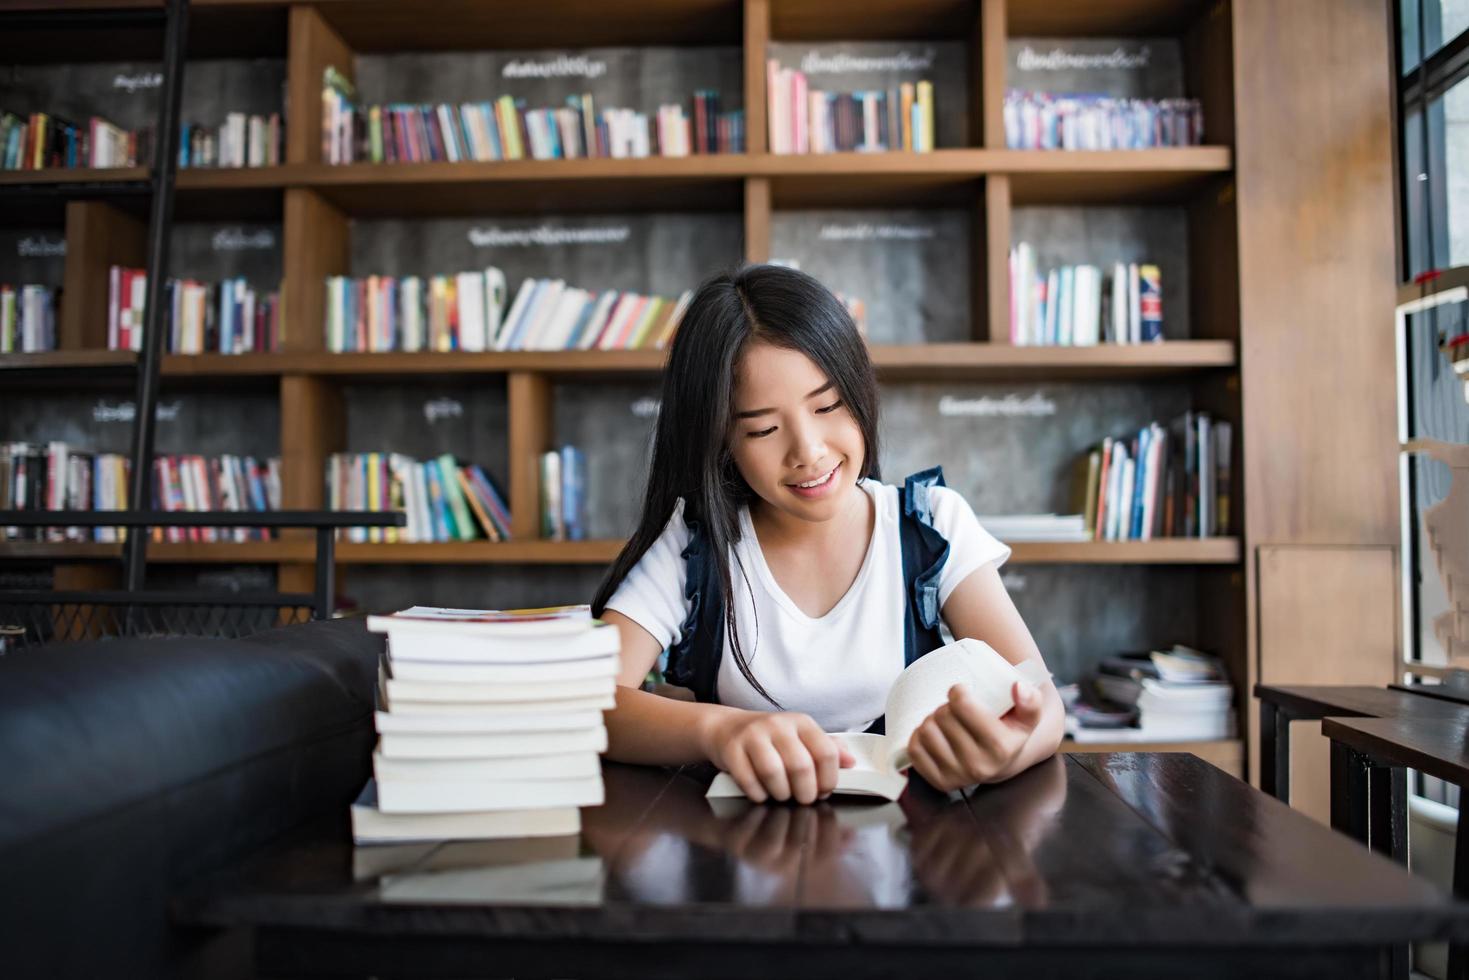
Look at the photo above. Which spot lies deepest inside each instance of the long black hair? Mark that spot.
(691, 455)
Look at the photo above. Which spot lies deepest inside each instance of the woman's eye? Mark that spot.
(762, 432)
(830, 408)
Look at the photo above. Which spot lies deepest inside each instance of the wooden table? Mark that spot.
(1281, 705)
(1143, 865)
(1361, 746)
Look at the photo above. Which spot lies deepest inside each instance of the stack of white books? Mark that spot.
(489, 723)
(1037, 527)
(1181, 695)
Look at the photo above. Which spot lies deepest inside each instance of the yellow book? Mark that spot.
(509, 128)
(657, 305)
(374, 494)
(925, 112)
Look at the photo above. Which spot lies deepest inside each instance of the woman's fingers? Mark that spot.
(800, 767)
(770, 767)
(743, 773)
(825, 753)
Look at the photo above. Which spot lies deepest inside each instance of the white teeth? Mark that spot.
(817, 483)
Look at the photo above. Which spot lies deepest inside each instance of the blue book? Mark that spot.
(550, 118)
(1139, 482)
(573, 492)
(443, 528)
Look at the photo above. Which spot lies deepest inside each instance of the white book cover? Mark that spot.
(470, 293)
(493, 745)
(558, 328)
(412, 720)
(579, 695)
(504, 648)
(562, 765)
(1124, 512)
(453, 796)
(922, 687)
(370, 825)
(505, 673)
(536, 311)
(517, 310)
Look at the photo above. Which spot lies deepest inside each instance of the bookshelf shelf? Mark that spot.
(103, 176)
(1219, 551)
(53, 360)
(911, 362)
(1161, 551)
(710, 182)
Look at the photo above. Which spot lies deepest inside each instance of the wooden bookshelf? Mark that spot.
(1257, 285)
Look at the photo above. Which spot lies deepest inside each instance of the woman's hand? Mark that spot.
(776, 755)
(961, 744)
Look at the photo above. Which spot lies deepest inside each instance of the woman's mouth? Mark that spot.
(819, 487)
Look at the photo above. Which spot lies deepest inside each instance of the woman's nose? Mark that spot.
(807, 446)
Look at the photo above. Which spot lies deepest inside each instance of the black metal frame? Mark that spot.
(134, 603)
(140, 612)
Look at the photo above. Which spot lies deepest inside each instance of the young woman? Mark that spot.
(790, 586)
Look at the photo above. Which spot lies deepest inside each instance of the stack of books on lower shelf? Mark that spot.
(1174, 695)
(489, 723)
(1037, 527)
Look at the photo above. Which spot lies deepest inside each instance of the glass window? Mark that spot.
(1428, 25)
(1438, 408)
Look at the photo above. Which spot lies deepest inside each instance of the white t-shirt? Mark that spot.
(836, 668)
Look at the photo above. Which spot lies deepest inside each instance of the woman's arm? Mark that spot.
(960, 744)
(647, 728)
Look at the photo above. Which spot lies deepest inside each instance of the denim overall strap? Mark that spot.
(924, 552)
(693, 662)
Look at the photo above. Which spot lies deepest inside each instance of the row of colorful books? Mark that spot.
(226, 317)
(1161, 482)
(55, 477)
(563, 478)
(58, 477)
(507, 129)
(489, 725)
(1048, 121)
(1076, 305)
(244, 140)
(466, 311)
(27, 318)
(443, 499)
(806, 120)
(41, 140)
(215, 483)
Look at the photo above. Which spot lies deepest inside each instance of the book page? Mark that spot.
(924, 686)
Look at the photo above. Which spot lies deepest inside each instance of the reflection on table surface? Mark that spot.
(657, 840)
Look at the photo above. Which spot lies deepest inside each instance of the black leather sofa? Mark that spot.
(129, 767)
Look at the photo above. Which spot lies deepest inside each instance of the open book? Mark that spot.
(882, 760)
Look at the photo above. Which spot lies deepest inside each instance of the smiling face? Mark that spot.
(793, 438)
